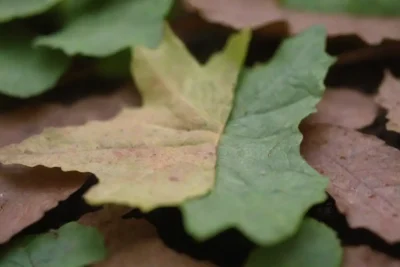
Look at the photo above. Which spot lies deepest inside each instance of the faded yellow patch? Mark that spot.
(159, 154)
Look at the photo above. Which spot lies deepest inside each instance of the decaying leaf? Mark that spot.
(315, 245)
(360, 7)
(133, 241)
(70, 246)
(10, 9)
(26, 71)
(345, 107)
(27, 193)
(263, 185)
(364, 256)
(364, 176)
(389, 98)
(28, 120)
(162, 153)
(255, 13)
(111, 26)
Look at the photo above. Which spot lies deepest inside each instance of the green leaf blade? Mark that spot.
(26, 71)
(73, 245)
(315, 245)
(263, 186)
(110, 27)
(11, 9)
(360, 7)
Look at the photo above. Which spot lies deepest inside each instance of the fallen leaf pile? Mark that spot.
(257, 13)
(170, 142)
(135, 241)
(245, 149)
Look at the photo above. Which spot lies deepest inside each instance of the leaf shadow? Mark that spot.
(227, 249)
(328, 213)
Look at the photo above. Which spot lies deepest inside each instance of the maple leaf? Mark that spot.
(256, 13)
(383, 8)
(107, 28)
(134, 241)
(345, 107)
(10, 9)
(363, 174)
(389, 97)
(366, 257)
(26, 71)
(162, 153)
(315, 245)
(70, 246)
(263, 186)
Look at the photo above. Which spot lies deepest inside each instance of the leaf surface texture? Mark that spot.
(263, 185)
(161, 153)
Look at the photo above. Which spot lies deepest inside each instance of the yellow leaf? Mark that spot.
(162, 153)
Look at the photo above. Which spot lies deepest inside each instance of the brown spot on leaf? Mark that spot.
(174, 178)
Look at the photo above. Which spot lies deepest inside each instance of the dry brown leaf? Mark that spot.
(345, 107)
(389, 98)
(133, 242)
(255, 13)
(24, 122)
(25, 193)
(364, 176)
(364, 256)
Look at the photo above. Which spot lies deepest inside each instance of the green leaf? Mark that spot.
(315, 245)
(11, 9)
(26, 71)
(110, 26)
(73, 245)
(71, 9)
(362, 7)
(263, 185)
(115, 66)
